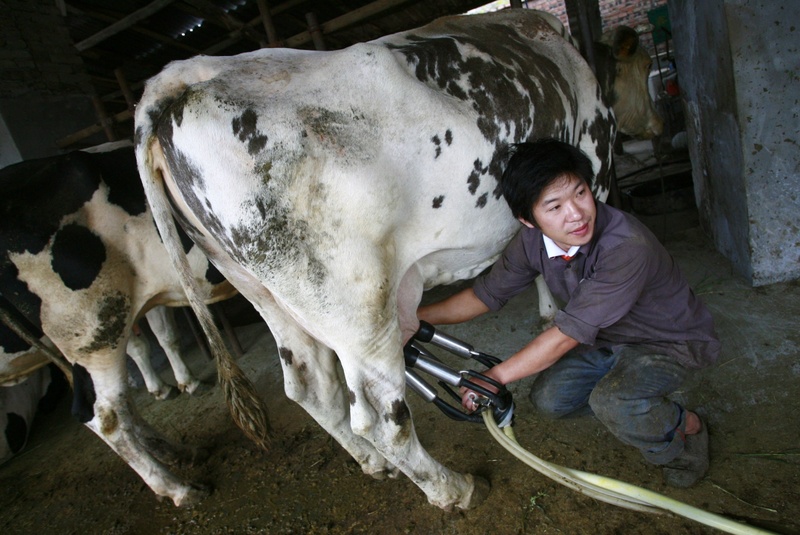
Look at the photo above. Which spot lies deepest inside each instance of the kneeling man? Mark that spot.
(630, 331)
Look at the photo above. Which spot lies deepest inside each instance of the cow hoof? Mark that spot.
(169, 392)
(197, 493)
(198, 388)
(479, 493)
(387, 473)
(197, 456)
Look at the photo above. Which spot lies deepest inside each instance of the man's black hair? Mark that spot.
(533, 166)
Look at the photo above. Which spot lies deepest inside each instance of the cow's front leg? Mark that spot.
(162, 322)
(139, 350)
(103, 405)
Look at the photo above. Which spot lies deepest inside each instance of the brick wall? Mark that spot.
(613, 12)
(36, 52)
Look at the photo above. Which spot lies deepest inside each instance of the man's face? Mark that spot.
(565, 212)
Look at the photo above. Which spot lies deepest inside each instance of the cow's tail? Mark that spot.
(245, 406)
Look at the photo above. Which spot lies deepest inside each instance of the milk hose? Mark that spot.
(611, 490)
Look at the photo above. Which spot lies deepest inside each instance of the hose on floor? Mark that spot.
(611, 490)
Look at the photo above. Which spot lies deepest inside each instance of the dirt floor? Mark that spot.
(68, 481)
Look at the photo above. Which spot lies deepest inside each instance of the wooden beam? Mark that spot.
(269, 25)
(130, 100)
(71, 139)
(105, 120)
(123, 24)
(138, 29)
(348, 19)
(315, 31)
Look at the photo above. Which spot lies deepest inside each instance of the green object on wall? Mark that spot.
(659, 17)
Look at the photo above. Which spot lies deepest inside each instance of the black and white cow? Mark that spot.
(331, 188)
(20, 402)
(80, 262)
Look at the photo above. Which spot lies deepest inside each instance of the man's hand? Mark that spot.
(469, 398)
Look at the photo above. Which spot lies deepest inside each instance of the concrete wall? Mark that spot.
(45, 93)
(8, 149)
(739, 71)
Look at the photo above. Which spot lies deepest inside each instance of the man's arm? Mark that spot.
(540, 353)
(457, 308)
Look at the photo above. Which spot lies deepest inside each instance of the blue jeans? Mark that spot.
(626, 389)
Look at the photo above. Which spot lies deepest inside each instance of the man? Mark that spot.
(630, 331)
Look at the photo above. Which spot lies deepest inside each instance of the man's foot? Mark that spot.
(691, 465)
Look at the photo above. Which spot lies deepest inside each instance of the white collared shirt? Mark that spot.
(554, 250)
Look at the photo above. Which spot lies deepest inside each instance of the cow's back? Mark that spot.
(404, 136)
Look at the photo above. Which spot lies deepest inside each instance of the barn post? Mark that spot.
(105, 121)
(585, 21)
(315, 31)
(126, 89)
(269, 25)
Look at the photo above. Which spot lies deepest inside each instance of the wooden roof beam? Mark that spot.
(136, 28)
(123, 24)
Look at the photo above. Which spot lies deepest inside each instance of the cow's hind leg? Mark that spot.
(311, 379)
(379, 413)
(102, 403)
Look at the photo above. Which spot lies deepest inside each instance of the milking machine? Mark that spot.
(496, 411)
(419, 358)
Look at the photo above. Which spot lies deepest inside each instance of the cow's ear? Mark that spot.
(626, 41)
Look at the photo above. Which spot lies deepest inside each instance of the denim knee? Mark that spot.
(609, 407)
(549, 401)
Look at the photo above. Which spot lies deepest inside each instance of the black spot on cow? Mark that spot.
(78, 255)
(118, 170)
(438, 144)
(474, 180)
(55, 390)
(138, 134)
(16, 432)
(113, 314)
(401, 416)
(36, 195)
(481, 202)
(286, 355)
(245, 128)
(437, 201)
(213, 275)
(23, 305)
(601, 131)
(351, 397)
(10, 342)
(84, 394)
(517, 78)
(448, 137)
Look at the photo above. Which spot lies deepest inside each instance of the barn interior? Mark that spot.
(719, 188)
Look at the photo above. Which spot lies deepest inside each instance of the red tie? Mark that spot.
(566, 257)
